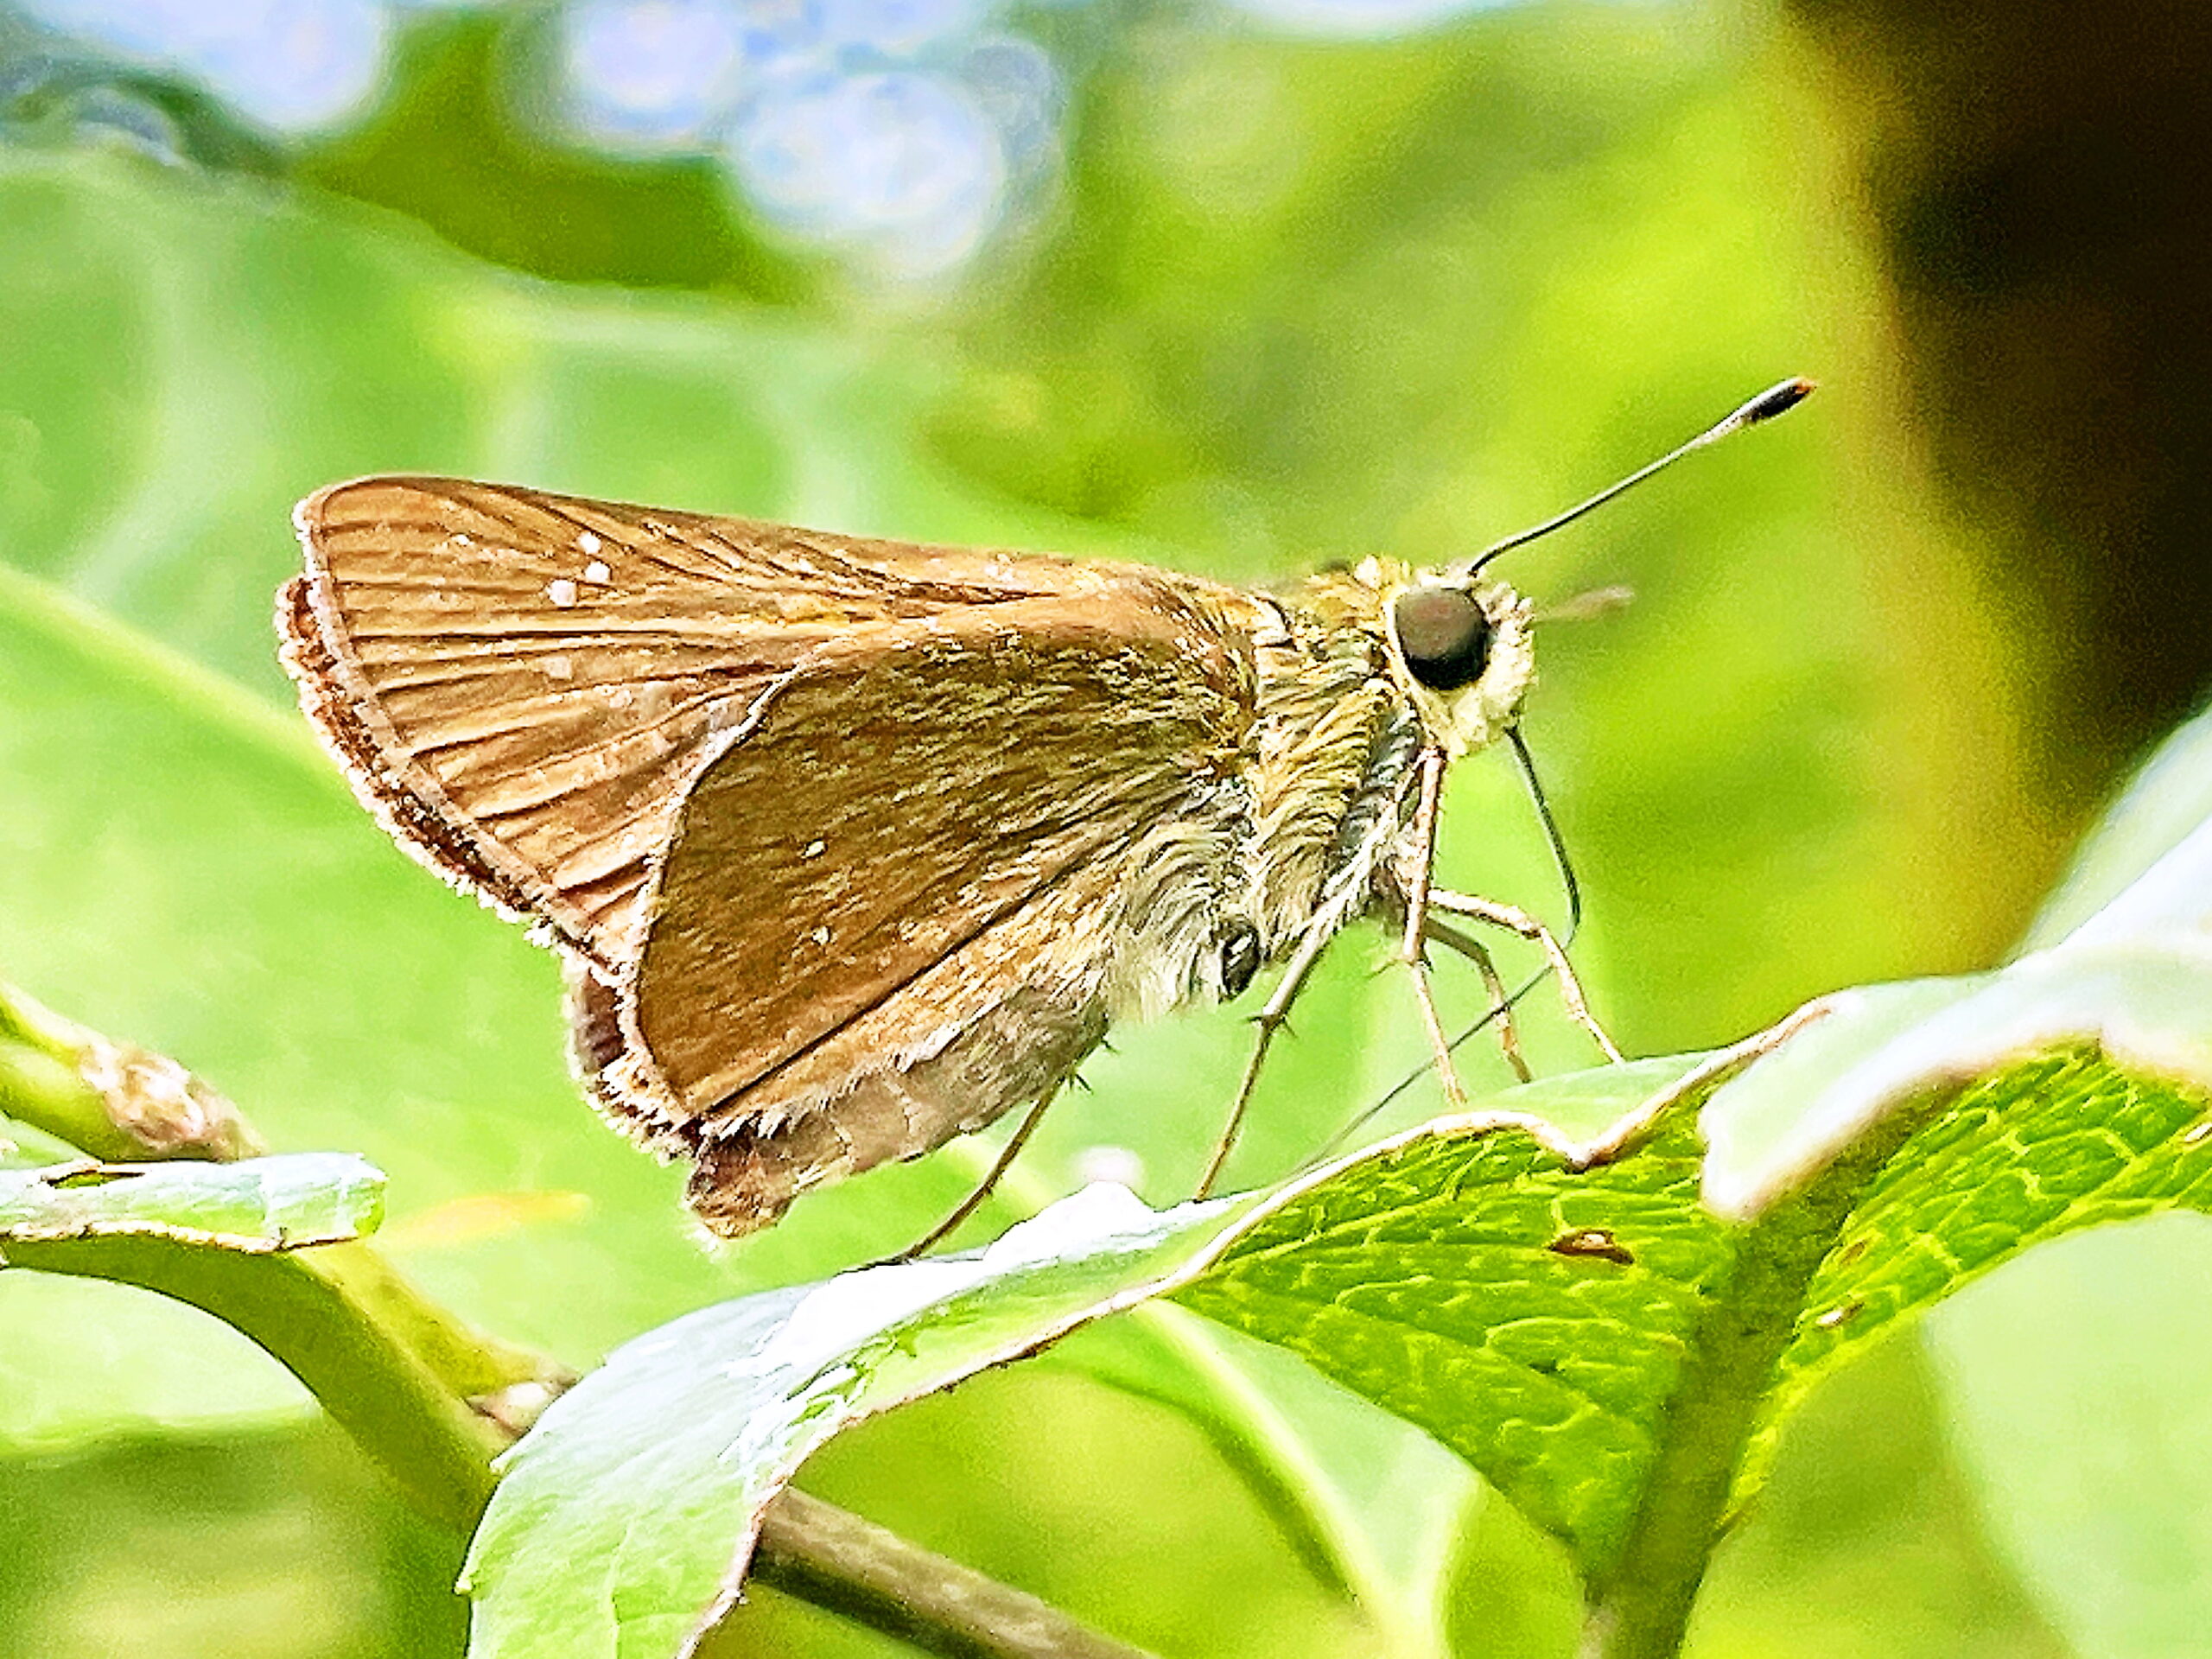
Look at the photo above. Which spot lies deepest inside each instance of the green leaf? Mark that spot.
(230, 1239)
(1431, 1278)
(259, 1206)
(1872, 1052)
(707, 1418)
(625, 1517)
(2044, 1148)
(1541, 1312)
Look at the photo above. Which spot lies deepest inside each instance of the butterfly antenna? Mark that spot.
(1558, 843)
(1777, 399)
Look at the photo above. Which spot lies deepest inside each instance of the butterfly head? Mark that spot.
(1459, 649)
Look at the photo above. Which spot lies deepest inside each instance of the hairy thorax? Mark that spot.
(1302, 826)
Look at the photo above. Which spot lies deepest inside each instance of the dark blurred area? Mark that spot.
(2041, 178)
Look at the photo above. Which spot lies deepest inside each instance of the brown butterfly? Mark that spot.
(852, 846)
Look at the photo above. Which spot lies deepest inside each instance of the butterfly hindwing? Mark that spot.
(894, 903)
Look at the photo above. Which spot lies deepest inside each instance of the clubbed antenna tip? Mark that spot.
(1778, 399)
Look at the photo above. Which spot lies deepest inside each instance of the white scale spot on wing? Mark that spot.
(598, 570)
(590, 543)
(813, 849)
(562, 592)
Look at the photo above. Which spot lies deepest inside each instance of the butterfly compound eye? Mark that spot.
(1443, 634)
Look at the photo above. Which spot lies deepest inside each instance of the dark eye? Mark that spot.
(1443, 634)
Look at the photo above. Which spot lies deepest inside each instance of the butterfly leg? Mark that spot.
(1270, 1020)
(968, 1206)
(1509, 1030)
(1455, 1092)
(1412, 944)
(1516, 920)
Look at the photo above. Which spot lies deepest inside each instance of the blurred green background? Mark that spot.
(1240, 289)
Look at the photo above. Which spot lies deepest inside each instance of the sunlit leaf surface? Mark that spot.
(707, 1418)
(257, 1204)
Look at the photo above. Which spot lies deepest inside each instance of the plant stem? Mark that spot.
(436, 1447)
(112, 1101)
(837, 1560)
(1642, 1604)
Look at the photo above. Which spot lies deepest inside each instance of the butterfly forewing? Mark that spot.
(524, 684)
